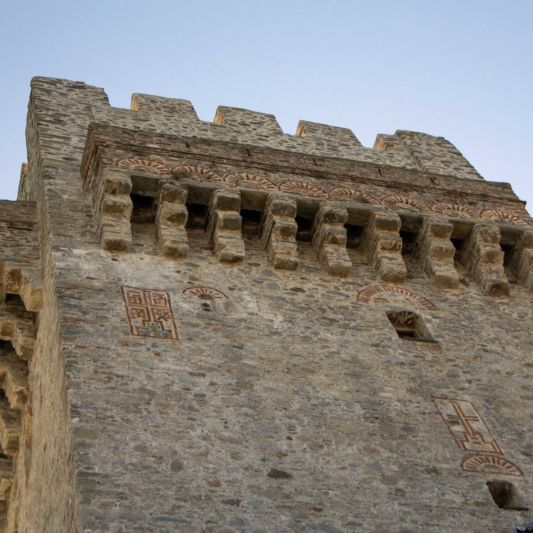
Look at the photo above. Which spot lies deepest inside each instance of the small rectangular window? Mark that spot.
(409, 326)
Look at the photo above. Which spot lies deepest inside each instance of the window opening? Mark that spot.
(251, 222)
(354, 236)
(305, 228)
(408, 242)
(143, 209)
(505, 496)
(458, 244)
(409, 326)
(197, 216)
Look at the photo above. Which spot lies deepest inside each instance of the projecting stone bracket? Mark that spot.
(113, 207)
(435, 252)
(14, 380)
(224, 226)
(170, 221)
(9, 427)
(329, 239)
(483, 257)
(27, 286)
(383, 246)
(278, 235)
(18, 326)
(522, 260)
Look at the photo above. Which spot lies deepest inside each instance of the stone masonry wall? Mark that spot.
(187, 393)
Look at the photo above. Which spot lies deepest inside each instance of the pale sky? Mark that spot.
(457, 69)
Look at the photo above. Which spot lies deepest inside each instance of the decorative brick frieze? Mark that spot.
(383, 246)
(279, 230)
(329, 239)
(435, 252)
(112, 207)
(170, 221)
(224, 226)
(483, 257)
(522, 260)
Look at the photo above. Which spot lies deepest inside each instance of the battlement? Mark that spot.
(71, 106)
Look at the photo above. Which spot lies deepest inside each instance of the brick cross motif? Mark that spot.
(469, 430)
(150, 313)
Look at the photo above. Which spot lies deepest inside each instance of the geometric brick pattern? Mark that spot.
(150, 313)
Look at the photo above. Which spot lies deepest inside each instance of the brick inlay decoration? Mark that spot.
(302, 187)
(366, 295)
(469, 430)
(150, 313)
(134, 163)
(196, 173)
(461, 211)
(403, 202)
(203, 293)
(505, 217)
(484, 463)
(344, 193)
(250, 180)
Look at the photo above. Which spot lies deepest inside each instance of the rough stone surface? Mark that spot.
(218, 327)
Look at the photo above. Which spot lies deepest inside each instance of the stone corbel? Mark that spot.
(435, 252)
(113, 206)
(483, 257)
(329, 239)
(522, 261)
(278, 234)
(224, 226)
(170, 221)
(383, 246)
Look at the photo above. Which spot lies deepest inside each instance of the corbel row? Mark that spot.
(381, 243)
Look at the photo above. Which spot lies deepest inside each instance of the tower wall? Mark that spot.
(242, 330)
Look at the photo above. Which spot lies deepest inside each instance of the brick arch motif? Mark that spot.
(458, 210)
(344, 193)
(403, 202)
(366, 295)
(484, 463)
(499, 215)
(140, 164)
(250, 180)
(304, 188)
(196, 173)
(203, 293)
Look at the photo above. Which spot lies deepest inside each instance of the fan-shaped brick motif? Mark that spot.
(456, 210)
(303, 188)
(484, 463)
(204, 293)
(403, 203)
(366, 295)
(250, 180)
(142, 165)
(196, 173)
(344, 193)
(498, 215)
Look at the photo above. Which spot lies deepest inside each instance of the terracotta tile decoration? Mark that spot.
(150, 313)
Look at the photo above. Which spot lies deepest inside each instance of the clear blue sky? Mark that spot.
(460, 69)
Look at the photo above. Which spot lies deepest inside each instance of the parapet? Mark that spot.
(66, 108)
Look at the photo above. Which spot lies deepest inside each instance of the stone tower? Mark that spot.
(219, 327)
